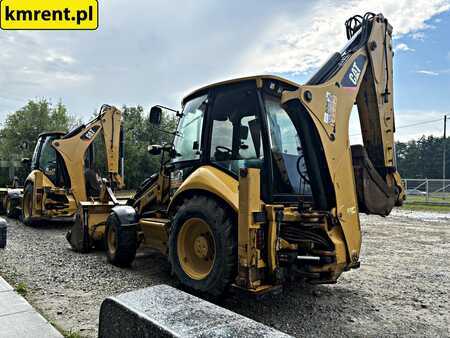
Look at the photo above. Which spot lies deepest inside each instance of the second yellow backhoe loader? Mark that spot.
(65, 184)
(261, 185)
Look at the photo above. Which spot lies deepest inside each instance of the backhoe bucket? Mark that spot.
(78, 235)
(374, 195)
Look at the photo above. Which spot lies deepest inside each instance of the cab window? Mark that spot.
(35, 158)
(290, 173)
(236, 129)
(187, 140)
(47, 158)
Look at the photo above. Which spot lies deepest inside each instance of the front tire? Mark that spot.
(203, 246)
(120, 242)
(27, 205)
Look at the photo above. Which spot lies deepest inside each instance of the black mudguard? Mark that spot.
(15, 197)
(126, 214)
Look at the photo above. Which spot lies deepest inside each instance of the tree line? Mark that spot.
(423, 158)
(21, 129)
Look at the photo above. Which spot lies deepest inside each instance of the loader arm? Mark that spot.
(363, 178)
(73, 146)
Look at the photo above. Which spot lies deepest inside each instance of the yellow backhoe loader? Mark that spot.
(261, 185)
(64, 183)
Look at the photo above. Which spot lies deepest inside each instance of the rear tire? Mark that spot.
(27, 205)
(3, 206)
(203, 230)
(120, 242)
(11, 212)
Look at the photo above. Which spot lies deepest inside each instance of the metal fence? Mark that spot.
(426, 190)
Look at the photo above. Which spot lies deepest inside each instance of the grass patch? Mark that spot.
(426, 207)
(432, 203)
(423, 198)
(22, 289)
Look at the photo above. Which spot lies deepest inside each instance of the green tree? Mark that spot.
(21, 128)
(139, 133)
(423, 158)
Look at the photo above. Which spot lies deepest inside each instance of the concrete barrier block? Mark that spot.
(3, 231)
(163, 311)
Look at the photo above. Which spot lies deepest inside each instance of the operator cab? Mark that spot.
(46, 159)
(241, 124)
(49, 161)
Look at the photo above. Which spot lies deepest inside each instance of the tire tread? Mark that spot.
(220, 218)
(126, 243)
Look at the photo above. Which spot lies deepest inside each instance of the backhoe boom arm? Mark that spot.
(73, 147)
(363, 178)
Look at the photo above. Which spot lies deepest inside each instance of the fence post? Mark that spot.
(427, 189)
(445, 189)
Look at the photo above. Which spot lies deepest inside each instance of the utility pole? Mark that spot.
(443, 155)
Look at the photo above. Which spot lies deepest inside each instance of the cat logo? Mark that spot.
(90, 133)
(351, 77)
(354, 74)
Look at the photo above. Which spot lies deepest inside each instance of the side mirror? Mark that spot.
(154, 149)
(155, 115)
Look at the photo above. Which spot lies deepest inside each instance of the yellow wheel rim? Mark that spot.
(196, 248)
(112, 240)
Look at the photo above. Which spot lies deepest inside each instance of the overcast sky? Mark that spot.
(150, 52)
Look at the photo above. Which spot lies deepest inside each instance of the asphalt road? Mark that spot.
(401, 289)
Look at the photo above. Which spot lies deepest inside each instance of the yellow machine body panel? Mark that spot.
(94, 214)
(336, 143)
(154, 233)
(211, 180)
(43, 190)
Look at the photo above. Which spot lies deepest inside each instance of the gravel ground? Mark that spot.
(401, 288)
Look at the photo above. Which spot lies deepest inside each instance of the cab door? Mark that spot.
(235, 137)
(50, 163)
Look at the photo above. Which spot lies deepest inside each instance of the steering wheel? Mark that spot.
(299, 170)
(226, 149)
(222, 153)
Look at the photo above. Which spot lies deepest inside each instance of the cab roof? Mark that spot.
(52, 133)
(237, 80)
